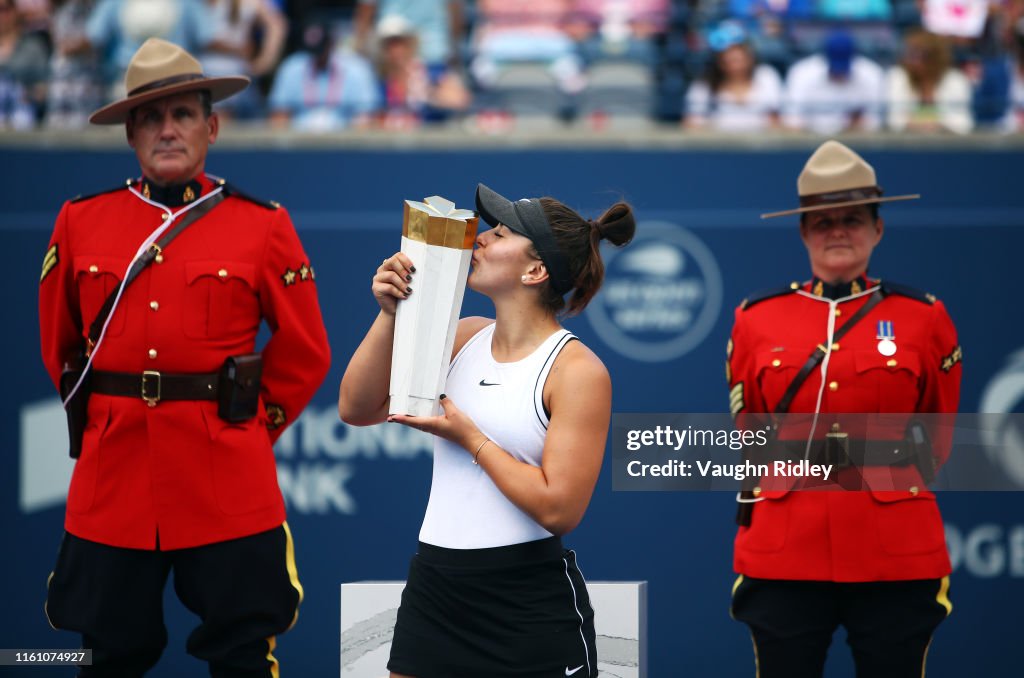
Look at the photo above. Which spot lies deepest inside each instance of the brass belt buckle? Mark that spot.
(151, 384)
(837, 448)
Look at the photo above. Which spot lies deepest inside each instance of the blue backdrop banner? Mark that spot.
(356, 496)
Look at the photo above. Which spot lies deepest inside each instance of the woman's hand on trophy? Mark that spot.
(453, 424)
(392, 281)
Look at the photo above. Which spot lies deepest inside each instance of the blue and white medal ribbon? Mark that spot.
(886, 338)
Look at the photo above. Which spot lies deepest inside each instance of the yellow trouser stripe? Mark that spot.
(293, 572)
(943, 596)
(47, 602)
(753, 641)
(924, 659)
(736, 585)
(757, 662)
(275, 670)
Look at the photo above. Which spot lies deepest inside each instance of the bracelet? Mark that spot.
(476, 455)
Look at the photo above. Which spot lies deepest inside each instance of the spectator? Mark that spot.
(527, 31)
(767, 23)
(320, 89)
(35, 18)
(1016, 114)
(409, 96)
(925, 92)
(118, 28)
(737, 94)
(619, 28)
(23, 70)
(835, 91)
(439, 25)
(74, 90)
(234, 48)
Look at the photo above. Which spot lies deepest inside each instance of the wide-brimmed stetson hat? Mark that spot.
(835, 176)
(159, 69)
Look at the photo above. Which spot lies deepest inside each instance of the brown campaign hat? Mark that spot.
(835, 176)
(159, 69)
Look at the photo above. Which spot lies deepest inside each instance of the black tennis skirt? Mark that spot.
(513, 611)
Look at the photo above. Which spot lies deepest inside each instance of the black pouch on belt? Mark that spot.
(77, 408)
(238, 388)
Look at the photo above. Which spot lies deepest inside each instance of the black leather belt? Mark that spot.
(153, 386)
(847, 452)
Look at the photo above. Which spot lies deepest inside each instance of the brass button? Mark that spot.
(159, 259)
(891, 362)
(94, 269)
(152, 354)
(757, 491)
(776, 362)
(839, 312)
(914, 490)
(833, 386)
(223, 273)
(794, 285)
(155, 305)
(164, 216)
(835, 346)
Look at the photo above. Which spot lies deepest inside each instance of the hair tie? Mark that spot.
(596, 225)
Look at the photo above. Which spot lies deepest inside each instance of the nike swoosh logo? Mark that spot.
(569, 671)
(483, 382)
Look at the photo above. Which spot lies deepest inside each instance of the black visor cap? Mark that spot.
(526, 217)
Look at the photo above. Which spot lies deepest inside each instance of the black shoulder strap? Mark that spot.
(818, 354)
(231, 189)
(90, 196)
(908, 291)
(769, 293)
(146, 259)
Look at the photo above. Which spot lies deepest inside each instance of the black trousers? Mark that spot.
(889, 624)
(245, 592)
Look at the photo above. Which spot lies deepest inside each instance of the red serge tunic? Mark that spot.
(845, 536)
(176, 475)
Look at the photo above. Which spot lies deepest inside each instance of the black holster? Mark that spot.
(238, 388)
(745, 509)
(924, 457)
(76, 409)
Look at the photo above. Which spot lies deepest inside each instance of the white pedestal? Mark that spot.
(369, 608)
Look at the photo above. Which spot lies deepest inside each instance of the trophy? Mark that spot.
(438, 238)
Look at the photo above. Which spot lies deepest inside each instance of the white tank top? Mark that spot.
(505, 400)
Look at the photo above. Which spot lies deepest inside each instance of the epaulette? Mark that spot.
(125, 185)
(231, 189)
(906, 291)
(768, 294)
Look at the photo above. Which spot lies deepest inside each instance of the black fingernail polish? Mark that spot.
(408, 290)
(409, 278)
(443, 396)
(412, 268)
